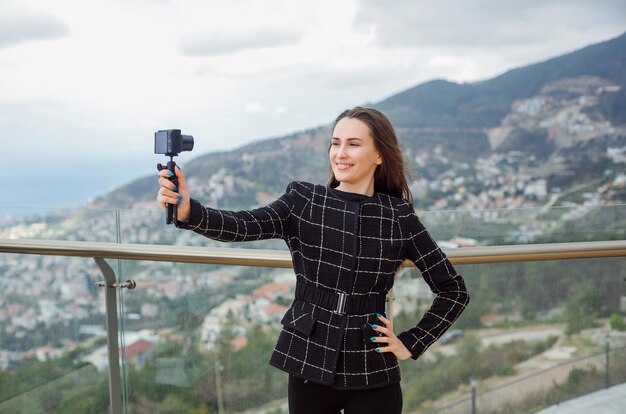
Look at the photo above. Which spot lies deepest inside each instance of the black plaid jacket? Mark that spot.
(349, 243)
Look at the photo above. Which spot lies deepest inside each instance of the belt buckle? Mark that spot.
(341, 302)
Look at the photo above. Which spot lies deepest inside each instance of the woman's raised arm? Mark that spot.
(270, 221)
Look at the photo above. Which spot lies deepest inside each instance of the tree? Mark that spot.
(617, 322)
(582, 310)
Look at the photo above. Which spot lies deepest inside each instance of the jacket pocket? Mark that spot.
(300, 320)
(368, 332)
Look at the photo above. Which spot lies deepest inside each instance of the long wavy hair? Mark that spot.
(390, 176)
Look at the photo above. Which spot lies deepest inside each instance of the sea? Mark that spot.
(46, 185)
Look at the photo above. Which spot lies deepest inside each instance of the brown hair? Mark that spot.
(389, 177)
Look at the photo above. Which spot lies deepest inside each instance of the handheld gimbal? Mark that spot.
(171, 142)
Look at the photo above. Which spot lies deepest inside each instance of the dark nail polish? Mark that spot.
(372, 338)
(175, 188)
(169, 173)
(179, 197)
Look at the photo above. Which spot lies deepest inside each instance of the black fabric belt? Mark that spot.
(340, 302)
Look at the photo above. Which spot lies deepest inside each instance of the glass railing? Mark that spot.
(90, 225)
(532, 393)
(535, 334)
(53, 340)
(197, 336)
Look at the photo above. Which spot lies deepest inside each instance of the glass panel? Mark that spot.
(147, 226)
(526, 225)
(171, 300)
(199, 337)
(53, 356)
(450, 228)
(535, 334)
(520, 313)
(93, 225)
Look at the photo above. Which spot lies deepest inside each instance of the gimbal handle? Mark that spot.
(172, 209)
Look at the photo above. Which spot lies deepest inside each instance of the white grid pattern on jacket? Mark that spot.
(331, 249)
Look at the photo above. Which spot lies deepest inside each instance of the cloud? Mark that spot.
(20, 24)
(254, 108)
(485, 23)
(257, 108)
(217, 43)
(279, 110)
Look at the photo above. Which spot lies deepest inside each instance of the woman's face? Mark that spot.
(353, 156)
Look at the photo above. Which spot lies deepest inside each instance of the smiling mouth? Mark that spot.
(343, 167)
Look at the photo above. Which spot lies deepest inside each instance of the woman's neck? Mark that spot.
(367, 189)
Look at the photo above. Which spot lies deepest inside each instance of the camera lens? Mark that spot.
(187, 143)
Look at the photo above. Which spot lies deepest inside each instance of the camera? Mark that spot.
(171, 142)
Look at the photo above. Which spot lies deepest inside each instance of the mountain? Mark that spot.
(484, 104)
(532, 132)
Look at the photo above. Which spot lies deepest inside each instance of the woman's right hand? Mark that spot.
(168, 193)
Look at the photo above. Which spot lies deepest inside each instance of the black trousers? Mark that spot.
(309, 397)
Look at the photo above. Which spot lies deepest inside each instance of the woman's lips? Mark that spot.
(343, 167)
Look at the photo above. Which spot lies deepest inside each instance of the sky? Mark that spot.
(85, 84)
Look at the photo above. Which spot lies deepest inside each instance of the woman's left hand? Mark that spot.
(393, 343)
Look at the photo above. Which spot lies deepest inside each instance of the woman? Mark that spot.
(347, 240)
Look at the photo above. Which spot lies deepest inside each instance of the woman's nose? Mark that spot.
(341, 151)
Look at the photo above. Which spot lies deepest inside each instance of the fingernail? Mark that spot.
(178, 201)
(374, 326)
(169, 173)
(372, 338)
(377, 349)
(175, 188)
(179, 197)
(378, 314)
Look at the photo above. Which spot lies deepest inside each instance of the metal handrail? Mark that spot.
(282, 258)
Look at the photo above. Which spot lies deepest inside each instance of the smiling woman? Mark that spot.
(347, 240)
(353, 156)
(362, 139)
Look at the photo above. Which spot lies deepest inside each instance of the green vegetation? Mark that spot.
(613, 106)
(582, 309)
(579, 382)
(431, 379)
(58, 386)
(535, 288)
(181, 378)
(189, 379)
(617, 322)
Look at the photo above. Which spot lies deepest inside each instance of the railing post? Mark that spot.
(115, 389)
(607, 351)
(473, 385)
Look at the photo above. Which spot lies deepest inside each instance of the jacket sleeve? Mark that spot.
(270, 221)
(443, 280)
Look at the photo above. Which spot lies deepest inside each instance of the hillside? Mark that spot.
(559, 121)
